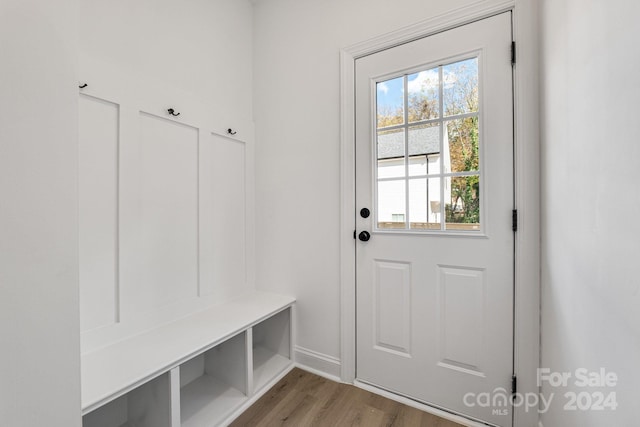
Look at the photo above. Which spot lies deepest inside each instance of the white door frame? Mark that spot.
(527, 183)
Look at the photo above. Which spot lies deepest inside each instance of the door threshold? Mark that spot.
(447, 415)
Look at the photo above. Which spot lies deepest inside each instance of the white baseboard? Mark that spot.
(320, 373)
(318, 363)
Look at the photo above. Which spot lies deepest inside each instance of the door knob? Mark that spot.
(364, 236)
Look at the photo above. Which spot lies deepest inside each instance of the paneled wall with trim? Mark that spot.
(166, 162)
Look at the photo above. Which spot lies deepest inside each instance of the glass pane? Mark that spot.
(424, 142)
(424, 165)
(424, 204)
(391, 204)
(392, 168)
(390, 102)
(462, 140)
(460, 87)
(433, 164)
(417, 203)
(391, 154)
(423, 102)
(463, 211)
(417, 165)
(424, 139)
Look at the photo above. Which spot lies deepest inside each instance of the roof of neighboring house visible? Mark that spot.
(422, 140)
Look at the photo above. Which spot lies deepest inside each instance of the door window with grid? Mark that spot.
(428, 145)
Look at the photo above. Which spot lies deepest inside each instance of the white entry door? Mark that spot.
(434, 198)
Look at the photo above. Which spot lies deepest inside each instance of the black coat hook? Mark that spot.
(82, 86)
(231, 132)
(173, 112)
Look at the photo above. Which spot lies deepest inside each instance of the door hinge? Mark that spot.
(514, 220)
(354, 234)
(514, 384)
(513, 53)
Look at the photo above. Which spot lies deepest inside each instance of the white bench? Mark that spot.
(201, 370)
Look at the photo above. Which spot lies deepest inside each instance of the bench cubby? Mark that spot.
(201, 371)
(271, 347)
(148, 405)
(214, 384)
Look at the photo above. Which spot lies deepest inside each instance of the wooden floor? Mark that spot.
(305, 399)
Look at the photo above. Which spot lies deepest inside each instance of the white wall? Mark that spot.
(297, 117)
(39, 320)
(201, 47)
(591, 204)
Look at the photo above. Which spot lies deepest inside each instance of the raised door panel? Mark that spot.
(160, 228)
(462, 318)
(98, 212)
(392, 307)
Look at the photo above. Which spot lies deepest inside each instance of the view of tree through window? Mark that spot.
(428, 148)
